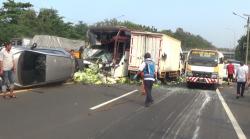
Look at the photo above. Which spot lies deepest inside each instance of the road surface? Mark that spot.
(63, 112)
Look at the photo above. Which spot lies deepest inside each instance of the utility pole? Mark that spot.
(247, 39)
(246, 58)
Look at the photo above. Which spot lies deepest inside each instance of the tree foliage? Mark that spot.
(189, 40)
(240, 51)
(19, 19)
(128, 24)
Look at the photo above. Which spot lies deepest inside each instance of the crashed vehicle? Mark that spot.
(39, 66)
(127, 49)
(113, 44)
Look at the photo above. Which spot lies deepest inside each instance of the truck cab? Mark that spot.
(204, 67)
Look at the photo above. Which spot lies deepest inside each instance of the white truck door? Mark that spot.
(153, 46)
(137, 50)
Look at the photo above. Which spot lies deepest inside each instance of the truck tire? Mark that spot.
(215, 86)
(189, 85)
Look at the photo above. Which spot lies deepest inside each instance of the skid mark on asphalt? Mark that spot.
(136, 113)
(208, 98)
(188, 118)
(158, 128)
(177, 119)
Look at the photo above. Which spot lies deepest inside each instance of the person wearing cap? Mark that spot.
(148, 69)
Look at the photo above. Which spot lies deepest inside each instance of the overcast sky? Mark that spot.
(211, 19)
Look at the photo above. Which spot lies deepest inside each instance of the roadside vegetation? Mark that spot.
(19, 19)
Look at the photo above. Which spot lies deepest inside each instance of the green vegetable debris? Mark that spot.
(93, 75)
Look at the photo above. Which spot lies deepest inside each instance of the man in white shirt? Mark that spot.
(7, 69)
(247, 70)
(245, 67)
(241, 76)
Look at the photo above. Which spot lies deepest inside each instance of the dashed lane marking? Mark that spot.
(234, 122)
(112, 100)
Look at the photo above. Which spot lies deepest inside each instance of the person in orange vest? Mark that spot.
(73, 56)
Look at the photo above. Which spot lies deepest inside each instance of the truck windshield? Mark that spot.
(203, 58)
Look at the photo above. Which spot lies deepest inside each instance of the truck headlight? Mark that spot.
(189, 73)
(214, 75)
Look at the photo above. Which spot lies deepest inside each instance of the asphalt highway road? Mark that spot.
(63, 112)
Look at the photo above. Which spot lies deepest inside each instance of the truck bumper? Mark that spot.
(202, 80)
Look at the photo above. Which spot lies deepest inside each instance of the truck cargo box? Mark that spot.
(165, 51)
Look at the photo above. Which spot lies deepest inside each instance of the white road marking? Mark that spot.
(235, 124)
(112, 100)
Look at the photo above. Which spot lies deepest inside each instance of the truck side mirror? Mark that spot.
(164, 56)
(182, 57)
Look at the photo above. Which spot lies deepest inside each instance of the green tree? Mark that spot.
(241, 49)
(189, 40)
(49, 22)
(12, 16)
(18, 19)
(130, 25)
(81, 30)
(12, 11)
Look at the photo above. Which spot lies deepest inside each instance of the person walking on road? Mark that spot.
(241, 77)
(246, 68)
(148, 69)
(7, 69)
(230, 73)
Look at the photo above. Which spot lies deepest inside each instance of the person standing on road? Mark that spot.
(7, 69)
(230, 72)
(148, 69)
(246, 68)
(241, 76)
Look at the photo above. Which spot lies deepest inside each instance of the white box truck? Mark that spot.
(165, 51)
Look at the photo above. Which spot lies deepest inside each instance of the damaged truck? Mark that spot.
(121, 51)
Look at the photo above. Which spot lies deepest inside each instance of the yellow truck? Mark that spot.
(205, 67)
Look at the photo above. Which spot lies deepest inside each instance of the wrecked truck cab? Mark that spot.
(42, 66)
(116, 42)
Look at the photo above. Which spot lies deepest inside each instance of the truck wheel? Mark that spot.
(163, 80)
(215, 86)
(189, 85)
